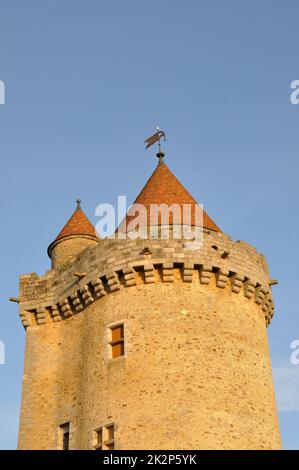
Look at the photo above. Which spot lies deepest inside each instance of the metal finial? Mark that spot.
(78, 203)
(160, 154)
(156, 138)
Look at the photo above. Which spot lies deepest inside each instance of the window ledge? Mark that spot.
(115, 359)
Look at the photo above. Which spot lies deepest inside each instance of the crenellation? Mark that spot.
(25, 318)
(113, 281)
(188, 272)
(249, 288)
(86, 295)
(167, 272)
(238, 269)
(65, 308)
(236, 282)
(149, 274)
(260, 293)
(129, 276)
(98, 288)
(221, 278)
(205, 274)
(55, 313)
(41, 316)
(76, 302)
(235, 263)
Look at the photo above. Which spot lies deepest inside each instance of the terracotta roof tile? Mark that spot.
(78, 224)
(164, 188)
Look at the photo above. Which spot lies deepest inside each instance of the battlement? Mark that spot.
(112, 265)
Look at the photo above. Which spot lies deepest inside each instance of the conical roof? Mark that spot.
(78, 224)
(164, 188)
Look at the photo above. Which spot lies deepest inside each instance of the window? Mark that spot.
(104, 438)
(117, 341)
(64, 436)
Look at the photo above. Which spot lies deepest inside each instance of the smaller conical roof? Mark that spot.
(78, 224)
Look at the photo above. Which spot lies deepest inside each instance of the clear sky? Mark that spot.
(87, 81)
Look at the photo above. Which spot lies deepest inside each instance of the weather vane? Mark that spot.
(156, 138)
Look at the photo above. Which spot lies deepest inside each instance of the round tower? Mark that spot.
(77, 234)
(160, 345)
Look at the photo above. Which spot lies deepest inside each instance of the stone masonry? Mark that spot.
(195, 373)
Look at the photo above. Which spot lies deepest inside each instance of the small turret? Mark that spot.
(77, 234)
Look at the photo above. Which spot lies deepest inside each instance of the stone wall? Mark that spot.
(196, 371)
(235, 263)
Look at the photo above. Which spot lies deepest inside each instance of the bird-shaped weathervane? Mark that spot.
(156, 138)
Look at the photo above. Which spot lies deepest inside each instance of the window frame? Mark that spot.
(64, 435)
(104, 444)
(115, 342)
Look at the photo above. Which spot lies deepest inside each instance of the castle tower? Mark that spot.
(156, 344)
(77, 234)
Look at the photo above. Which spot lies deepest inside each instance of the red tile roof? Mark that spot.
(78, 224)
(164, 188)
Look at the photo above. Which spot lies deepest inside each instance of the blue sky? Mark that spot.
(87, 81)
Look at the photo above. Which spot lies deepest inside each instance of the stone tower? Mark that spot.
(148, 343)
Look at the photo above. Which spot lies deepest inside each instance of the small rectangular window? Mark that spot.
(64, 436)
(98, 439)
(104, 437)
(117, 341)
